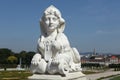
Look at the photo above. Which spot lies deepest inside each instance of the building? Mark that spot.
(101, 59)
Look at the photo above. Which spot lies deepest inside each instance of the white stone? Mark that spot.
(54, 55)
(70, 76)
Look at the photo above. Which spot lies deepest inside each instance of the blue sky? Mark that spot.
(89, 24)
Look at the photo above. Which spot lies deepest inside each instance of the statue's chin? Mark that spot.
(52, 27)
(50, 31)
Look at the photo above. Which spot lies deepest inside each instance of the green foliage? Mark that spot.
(91, 65)
(26, 57)
(8, 57)
(111, 77)
(12, 59)
(115, 66)
(4, 54)
(89, 72)
(14, 75)
(116, 78)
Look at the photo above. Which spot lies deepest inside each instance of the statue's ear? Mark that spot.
(62, 25)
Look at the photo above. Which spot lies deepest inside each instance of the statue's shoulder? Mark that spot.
(41, 38)
(61, 35)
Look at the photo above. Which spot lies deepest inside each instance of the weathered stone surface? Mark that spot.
(55, 54)
(69, 76)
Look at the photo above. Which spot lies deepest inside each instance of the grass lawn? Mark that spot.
(22, 75)
(14, 75)
(116, 78)
(112, 77)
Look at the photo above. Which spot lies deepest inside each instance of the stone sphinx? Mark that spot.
(54, 53)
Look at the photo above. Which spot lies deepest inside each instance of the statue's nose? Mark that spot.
(51, 21)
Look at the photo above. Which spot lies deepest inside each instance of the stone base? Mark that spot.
(69, 76)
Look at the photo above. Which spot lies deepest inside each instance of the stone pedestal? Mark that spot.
(69, 76)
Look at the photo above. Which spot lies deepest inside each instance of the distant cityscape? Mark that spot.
(103, 59)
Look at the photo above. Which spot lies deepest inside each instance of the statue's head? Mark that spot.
(52, 20)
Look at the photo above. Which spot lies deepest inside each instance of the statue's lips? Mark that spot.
(51, 27)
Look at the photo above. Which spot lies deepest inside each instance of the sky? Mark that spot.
(89, 24)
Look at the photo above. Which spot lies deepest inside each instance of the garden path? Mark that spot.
(104, 74)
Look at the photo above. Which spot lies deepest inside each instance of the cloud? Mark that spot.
(102, 32)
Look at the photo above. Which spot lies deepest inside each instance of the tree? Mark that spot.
(23, 56)
(28, 57)
(4, 53)
(7, 57)
(12, 59)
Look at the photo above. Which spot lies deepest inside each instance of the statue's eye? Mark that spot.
(45, 19)
(54, 19)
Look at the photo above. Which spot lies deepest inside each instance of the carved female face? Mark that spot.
(51, 22)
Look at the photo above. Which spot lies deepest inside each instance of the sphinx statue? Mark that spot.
(54, 54)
